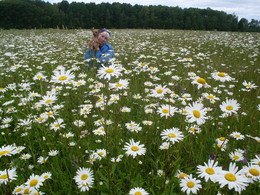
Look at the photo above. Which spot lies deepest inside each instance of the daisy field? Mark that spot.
(175, 112)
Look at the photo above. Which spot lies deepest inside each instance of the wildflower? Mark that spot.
(159, 91)
(107, 72)
(233, 178)
(39, 76)
(200, 82)
(149, 123)
(48, 99)
(196, 113)
(79, 83)
(134, 148)
(99, 131)
(165, 146)
(252, 172)
(7, 150)
(42, 160)
(248, 85)
(230, 106)
(212, 98)
(79, 123)
(237, 135)
(84, 179)
(193, 129)
(190, 185)
(34, 181)
(7, 175)
(53, 152)
(101, 153)
(138, 191)
(125, 109)
(166, 110)
(57, 124)
(25, 156)
(256, 160)
(173, 135)
(209, 171)
(221, 76)
(46, 175)
(121, 84)
(62, 76)
(180, 175)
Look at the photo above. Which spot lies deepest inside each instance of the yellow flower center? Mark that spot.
(138, 193)
(49, 113)
(190, 184)
(210, 96)
(33, 182)
(5, 176)
(229, 108)
(119, 85)
(254, 172)
(182, 175)
(101, 153)
(40, 119)
(196, 113)
(159, 91)
(84, 176)
(99, 100)
(135, 148)
(221, 74)
(39, 77)
(165, 111)
(46, 177)
(1, 88)
(56, 125)
(171, 135)
(249, 85)
(236, 157)
(230, 177)
(184, 111)
(4, 152)
(48, 101)
(210, 171)
(63, 78)
(27, 191)
(201, 81)
(142, 64)
(18, 190)
(237, 135)
(222, 139)
(109, 70)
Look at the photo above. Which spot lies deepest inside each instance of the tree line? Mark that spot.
(27, 14)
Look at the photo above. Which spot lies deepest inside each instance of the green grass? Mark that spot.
(24, 53)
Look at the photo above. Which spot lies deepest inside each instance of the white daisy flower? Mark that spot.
(233, 178)
(230, 106)
(209, 171)
(84, 179)
(173, 135)
(190, 185)
(134, 148)
(138, 191)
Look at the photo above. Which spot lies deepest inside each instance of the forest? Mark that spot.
(28, 14)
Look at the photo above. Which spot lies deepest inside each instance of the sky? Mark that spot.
(249, 9)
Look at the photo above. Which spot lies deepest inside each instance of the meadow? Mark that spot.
(176, 112)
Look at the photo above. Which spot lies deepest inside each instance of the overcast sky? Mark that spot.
(249, 9)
